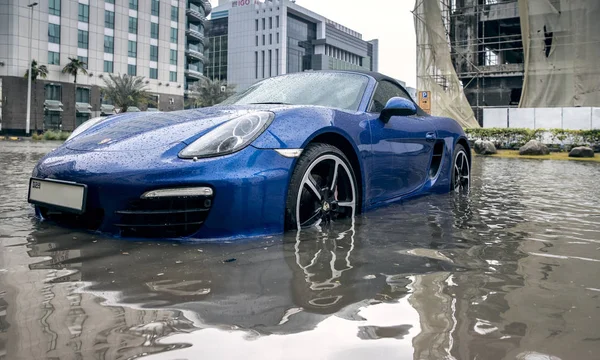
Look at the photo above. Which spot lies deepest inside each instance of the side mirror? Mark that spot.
(398, 106)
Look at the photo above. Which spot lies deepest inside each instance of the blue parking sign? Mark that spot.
(425, 94)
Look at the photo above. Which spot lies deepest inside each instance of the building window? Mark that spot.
(174, 35)
(173, 76)
(133, 4)
(264, 21)
(53, 58)
(109, 19)
(277, 18)
(153, 53)
(84, 60)
(491, 58)
(154, 30)
(54, 33)
(270, 63)
(155, 7)
(270, 39)
(54, 7)
(133, 25)
(131, 70)
(84, 13)
(109, 44)
(264, 40)
(153, 73)
(256, 64)
(277, 62)
(270, 22)
(263, 64)
(278, 38)
(256, 21)
(256, 40)
(53, 92)
(82, 95)
(83, 38)
(109, 1)
(132, 49)
(173, 57)
(174, 13)
(108, 66)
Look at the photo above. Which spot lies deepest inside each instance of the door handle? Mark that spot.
(430, 136)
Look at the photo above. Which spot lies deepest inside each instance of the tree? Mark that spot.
(74, 67)
(209, 92)
(125, 91)
(36, 71)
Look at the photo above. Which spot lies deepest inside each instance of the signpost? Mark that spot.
(425, 101)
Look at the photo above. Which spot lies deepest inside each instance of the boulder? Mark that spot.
(482, 147)
(534, 147)
(582, 152)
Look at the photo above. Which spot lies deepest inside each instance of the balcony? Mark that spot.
(195, 54)
(194, 73)
(196, 14)
(194, 33)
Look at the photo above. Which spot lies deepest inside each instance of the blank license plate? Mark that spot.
(60, 195)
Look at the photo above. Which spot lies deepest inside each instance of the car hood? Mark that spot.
(145, 131)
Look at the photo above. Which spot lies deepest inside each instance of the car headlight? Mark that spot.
(233, 135)
(86, 125)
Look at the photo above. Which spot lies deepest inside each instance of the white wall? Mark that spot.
(542, 118)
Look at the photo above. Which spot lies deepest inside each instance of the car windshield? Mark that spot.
(330, 89)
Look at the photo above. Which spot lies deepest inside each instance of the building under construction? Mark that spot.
(483, 54)
(487, 50)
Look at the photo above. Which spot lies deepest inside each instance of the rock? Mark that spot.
(534, 147)
(582, 152)
(484, 147)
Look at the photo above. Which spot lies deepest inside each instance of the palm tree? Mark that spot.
(125, 91)
(209, 92)
(36, 71)
(74, 67)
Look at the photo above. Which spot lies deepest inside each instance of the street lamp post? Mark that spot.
(28, 121)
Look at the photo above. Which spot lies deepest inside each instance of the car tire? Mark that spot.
(461, 170)
(313, 197)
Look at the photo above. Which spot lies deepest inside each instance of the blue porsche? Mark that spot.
(289, 152)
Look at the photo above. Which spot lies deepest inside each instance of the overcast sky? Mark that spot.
(390, 21)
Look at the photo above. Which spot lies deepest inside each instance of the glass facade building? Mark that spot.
(300, 36)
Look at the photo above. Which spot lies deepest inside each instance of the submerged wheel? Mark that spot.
(461, 171)
(322, 188)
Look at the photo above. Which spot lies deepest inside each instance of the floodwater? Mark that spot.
(511, 272)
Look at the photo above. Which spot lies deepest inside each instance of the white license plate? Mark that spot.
(60, 195)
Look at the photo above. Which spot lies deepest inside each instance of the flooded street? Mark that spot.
(511, 272)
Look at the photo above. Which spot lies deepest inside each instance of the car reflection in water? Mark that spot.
(281, 285)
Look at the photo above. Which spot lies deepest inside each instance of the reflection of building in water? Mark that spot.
(41, 316)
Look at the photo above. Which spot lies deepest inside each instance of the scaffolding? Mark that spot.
(435, 70)
(511, 53)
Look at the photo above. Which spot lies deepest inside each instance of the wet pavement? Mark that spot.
(510, 272)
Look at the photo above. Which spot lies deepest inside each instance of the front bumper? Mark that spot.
(249, 192)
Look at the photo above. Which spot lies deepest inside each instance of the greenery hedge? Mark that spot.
(52, 135)
(514, 138)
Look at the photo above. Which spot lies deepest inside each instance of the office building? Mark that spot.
(160, 40)
(250, 40)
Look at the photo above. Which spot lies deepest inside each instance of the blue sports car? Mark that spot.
(289, 152)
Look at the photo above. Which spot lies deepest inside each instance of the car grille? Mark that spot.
(164, 217)
(90, 220)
